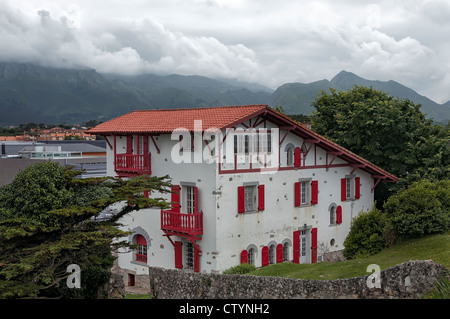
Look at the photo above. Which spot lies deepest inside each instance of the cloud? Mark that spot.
(267, 42)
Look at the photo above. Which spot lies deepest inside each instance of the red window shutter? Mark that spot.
(140, 240)
(313, 245)
(265, 256)
(357, 187)
(241, 199)
(279, 253)
(297, 157)
(261, 197)
(339, 215)
(244, 257)
(129, 144)
(343, 189)
(196, 259)
(296, 247)
(297, 194)
(175, 198)
(314, 192)
(195, 199)
(178, 255)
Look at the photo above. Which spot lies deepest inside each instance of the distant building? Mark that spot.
(53, 134)
(87, 155)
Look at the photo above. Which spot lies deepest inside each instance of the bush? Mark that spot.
(421, 209)
(240, 269)
(366, 236)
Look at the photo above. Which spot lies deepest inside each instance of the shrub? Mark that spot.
(421, 209)
(366, 236)
(240, 269)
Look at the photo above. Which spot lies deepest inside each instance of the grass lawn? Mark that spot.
(434, 247)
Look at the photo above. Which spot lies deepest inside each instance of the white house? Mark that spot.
(250, 185)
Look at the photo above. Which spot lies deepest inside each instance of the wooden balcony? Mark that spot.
(132, 164)
(184, 225)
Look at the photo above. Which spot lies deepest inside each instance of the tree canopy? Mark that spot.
(390, 132)
(47, 222)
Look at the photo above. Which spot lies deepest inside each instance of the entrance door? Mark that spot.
(304, 251)
(131, 280)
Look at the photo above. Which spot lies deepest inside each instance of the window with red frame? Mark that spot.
(141, 251)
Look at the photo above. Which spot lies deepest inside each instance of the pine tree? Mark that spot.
(49, 220)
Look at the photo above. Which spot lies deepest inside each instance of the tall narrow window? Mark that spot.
(190, 200)
(290, 157)
(250, 198)
(239, 144)
(251, 256)
(286, 252)
(349, 193)
(272, 253)
(141, 251)
(189, 255)
(350, 188)
(304, 192)
(333, 215)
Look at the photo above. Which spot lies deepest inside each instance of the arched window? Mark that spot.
(290, 157)
(289, 149)
(286, 251)
(251, 256)
(141, 251)
(272, 253)
(333, 215)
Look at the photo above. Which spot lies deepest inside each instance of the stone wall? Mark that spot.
(408, 280)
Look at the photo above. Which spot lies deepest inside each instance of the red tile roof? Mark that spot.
(167, 120)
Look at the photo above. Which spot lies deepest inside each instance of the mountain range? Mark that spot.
(296, 98)
(32, 93)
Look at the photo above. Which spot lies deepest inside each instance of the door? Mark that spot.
(304, 251)
(131, 280)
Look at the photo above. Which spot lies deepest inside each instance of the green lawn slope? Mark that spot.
(435, 247)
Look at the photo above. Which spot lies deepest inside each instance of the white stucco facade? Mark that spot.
(227, 232)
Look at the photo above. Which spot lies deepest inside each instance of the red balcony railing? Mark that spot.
(133, 163)
(183, 224)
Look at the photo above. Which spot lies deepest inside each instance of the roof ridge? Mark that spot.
(202, 108)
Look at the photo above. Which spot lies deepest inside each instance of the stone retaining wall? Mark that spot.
(408, 280)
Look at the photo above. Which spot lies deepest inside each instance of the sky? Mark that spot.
(256, 41)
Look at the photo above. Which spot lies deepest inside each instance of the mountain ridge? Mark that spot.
(296, 98)
(32, 93)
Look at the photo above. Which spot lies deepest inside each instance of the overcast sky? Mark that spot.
(261, 41)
